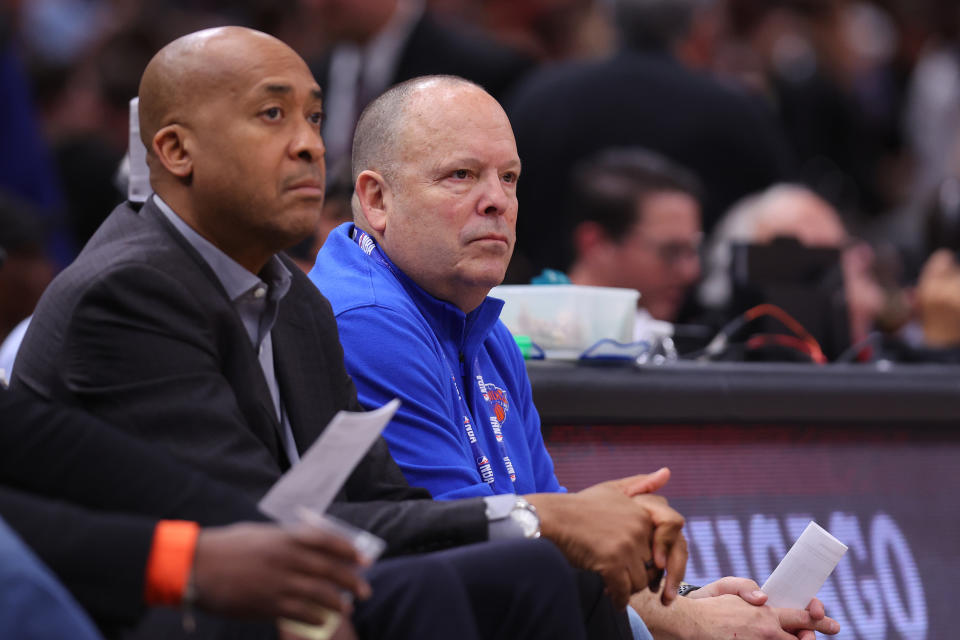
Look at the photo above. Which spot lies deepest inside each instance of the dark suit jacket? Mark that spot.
(441, 48)
(86, 498)
(434, 48)
(139, 332)
(564, 113)
(99, 557)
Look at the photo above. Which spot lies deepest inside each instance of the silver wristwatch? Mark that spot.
(525, 515)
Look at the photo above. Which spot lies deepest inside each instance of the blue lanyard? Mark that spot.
(484, 468)
(483, 463)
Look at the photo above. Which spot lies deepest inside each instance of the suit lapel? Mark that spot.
(273, 430)
(293, 363)
(252, 392)
(303, 373)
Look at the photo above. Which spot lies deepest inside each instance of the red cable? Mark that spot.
(812, 347)
(786, 341)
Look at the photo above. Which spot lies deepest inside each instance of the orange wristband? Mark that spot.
(170, 561)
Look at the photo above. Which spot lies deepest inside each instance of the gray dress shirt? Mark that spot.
(256, 299)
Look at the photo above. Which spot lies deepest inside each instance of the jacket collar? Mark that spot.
(466, 331)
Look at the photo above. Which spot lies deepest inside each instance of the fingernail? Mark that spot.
(834, 627)
(758, 594)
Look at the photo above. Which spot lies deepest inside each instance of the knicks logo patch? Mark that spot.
(497, 398)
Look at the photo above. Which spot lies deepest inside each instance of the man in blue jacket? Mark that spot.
(435, 169)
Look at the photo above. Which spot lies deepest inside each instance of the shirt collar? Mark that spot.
(236, 280)
(468, 330)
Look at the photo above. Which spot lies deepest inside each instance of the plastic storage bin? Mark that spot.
(565, 320)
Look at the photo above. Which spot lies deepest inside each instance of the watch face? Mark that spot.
(528, 520)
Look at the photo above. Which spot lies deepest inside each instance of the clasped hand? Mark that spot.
(620, 531)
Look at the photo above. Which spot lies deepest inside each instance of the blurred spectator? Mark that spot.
(28, 269)
(828, 68)
(641, 96)
(378, 43)
(637, 226)
(84, 83)
(932, 114)
(26, 166)
(546, 29)
(942, 219)
(87, 120)
(35, 604)
(794, 211)
(59, 31)
(938, 300)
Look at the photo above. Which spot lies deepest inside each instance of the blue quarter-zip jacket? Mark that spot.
(399, 341)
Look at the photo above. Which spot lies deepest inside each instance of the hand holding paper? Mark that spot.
(308, 488)
(315, 480)
(804, 569)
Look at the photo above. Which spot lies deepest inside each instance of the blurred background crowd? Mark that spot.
(833, 122)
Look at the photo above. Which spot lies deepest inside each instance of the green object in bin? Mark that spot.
(525, 344)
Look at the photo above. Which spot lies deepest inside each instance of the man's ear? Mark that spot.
(588, 237)
(170, 148)
(373, 194)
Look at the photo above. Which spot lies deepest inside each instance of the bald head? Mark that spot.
(436, 170)
(796, 211)
(191, 69)
(378, 140)
(231, 121)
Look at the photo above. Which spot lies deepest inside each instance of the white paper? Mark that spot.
(315, 480)
(367, 545)
(804, 569)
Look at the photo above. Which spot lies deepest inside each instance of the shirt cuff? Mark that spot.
(637, 626)
(500, 526)
(170, 561)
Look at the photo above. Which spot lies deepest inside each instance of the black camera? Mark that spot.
(806, 282)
